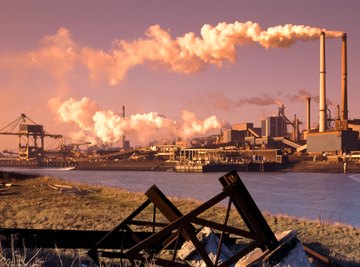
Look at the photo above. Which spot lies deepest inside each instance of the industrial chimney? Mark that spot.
(344, 105)
(123, 141)
(322, 103)
(308, 119)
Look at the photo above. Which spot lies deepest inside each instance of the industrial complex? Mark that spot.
(278, 144)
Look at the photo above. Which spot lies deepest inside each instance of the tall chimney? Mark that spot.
(344, 100)
(322, 103)
(308, 119)
(123, 141)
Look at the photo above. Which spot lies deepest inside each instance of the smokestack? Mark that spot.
(123, 141)
(344, 110)
(322, 103)
(308, 119)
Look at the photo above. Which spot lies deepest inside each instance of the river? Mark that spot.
(325, 196)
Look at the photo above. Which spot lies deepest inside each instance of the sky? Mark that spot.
(181, 68)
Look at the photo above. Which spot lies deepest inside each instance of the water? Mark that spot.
(326, 196)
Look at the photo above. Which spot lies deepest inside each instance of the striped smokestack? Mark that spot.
(344, 100)
(322, 103)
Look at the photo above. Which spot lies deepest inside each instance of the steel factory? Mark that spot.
(277, 144)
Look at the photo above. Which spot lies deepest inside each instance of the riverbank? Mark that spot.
(50, 203)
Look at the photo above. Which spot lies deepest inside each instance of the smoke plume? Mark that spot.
(265, 100)
(303, 94)
(106, 126)
(59, 53)
(190, 53)
(192, 125)
(223, 102)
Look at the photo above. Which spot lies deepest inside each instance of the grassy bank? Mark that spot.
(49, 203)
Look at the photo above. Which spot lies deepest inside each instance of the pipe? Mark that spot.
(308, 119)
(344, 110)
(322, 103)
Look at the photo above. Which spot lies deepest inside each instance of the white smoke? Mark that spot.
(59, 53)
(79, 112)
(107, 126)
(189, 53)
(192, 125)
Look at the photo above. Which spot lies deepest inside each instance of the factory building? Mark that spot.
(334, 142)
(273, 127)
(239, 132)
(205, 141)
(233, 136)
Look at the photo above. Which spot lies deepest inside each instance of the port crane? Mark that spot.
(31, 137)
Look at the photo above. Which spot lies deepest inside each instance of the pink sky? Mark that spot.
(53, 51)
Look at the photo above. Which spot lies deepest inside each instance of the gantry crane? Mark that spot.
(31, 137)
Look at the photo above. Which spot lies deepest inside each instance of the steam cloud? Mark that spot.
(189, 53)
(59, 53)
(107, 126)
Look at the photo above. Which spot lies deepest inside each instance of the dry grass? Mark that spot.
(34, 204)
(15, 258)
(49, 203)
